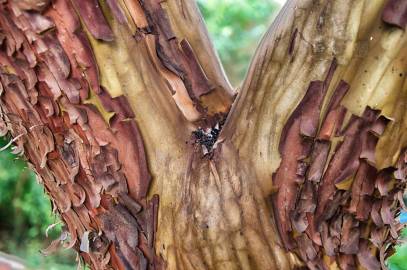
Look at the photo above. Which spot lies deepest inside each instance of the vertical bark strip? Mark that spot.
(395, 13)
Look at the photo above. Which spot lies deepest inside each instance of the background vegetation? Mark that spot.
(25, 213)
(236, 27)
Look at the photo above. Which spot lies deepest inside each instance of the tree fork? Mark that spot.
(123, 110)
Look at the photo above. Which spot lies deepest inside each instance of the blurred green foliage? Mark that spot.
(399, 260)
(22, 193)
(25, 213)
(236, 27)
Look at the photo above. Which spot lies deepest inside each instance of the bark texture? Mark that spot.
(123, 110)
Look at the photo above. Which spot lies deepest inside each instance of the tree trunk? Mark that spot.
(124, 112)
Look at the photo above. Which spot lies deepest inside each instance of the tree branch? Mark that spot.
(88, 75)
(299, 48)
(313, 116)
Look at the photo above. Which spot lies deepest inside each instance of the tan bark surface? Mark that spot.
(124, 112)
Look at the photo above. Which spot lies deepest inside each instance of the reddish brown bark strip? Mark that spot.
(395, 13)
(94, 19)
(344, 163)
(335, 113)
(323, 210)
(295, 146)
(37, 5)
(117, 11)
(176, 56)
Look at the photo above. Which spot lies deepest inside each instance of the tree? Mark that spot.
(153, 161)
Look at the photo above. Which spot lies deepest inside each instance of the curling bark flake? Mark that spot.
(83, 160)
(122, 109)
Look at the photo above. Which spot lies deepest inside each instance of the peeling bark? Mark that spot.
(122, 109)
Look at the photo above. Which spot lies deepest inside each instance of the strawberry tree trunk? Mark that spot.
(153, 161)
